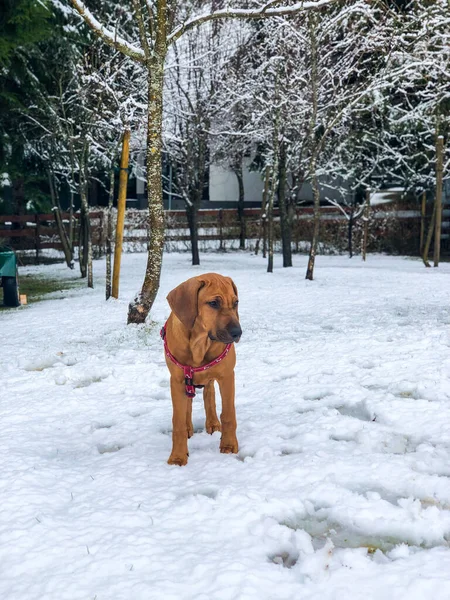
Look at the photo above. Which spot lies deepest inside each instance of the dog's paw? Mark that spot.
(212, 427)
(180, 461)
(190, 430)
(229, 446)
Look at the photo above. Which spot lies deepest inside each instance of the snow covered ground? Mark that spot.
(340, 490)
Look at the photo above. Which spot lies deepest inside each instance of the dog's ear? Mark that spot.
(183, 300)
(234, 286)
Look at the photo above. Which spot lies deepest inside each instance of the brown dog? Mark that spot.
(200, 330)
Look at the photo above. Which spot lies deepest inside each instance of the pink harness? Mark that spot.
(189, 371)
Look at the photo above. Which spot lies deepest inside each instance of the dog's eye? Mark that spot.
(214, 304)
(236, 304)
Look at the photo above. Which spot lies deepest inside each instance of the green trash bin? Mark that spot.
(9, 277)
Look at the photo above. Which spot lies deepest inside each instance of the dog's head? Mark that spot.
(211, 300)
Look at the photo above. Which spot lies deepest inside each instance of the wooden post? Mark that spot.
(366, 224)
(121, 201)
(438, 223)
(423, 209)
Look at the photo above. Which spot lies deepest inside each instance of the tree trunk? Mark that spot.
(270, 224)
(431, 230)
(313, 124)
(18, 206)
(192, 214)
(264, 233)
(140, 307)
(109, 233)
(66, 246)
(263, 216)
(71, 221)
(297, 184)
(285, 223)
(196, 186)
(366, 225)
(18, 195)
(350, 233)
(240, 206)
(85, 243)
(273, 189)
(438, 223)
(316, 224)
(423, 209)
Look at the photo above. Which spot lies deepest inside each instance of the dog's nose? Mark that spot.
(235, 332)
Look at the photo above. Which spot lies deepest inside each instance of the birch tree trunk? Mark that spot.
(140, 307)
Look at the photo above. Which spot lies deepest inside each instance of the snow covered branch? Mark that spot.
(237, 13)
(109, 37)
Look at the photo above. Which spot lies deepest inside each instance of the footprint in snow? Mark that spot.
(137, 413)
(96, 426)
(319, 394)
(109, 448)
(357, 411)
(284, 377)
(206, 492)
(87, 381)
(344, 436)
(286, 559)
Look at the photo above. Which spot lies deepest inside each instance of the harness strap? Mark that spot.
(188, 370)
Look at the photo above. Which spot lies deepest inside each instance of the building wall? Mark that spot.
(223, 188)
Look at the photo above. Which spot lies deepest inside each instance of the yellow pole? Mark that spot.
(121, 200)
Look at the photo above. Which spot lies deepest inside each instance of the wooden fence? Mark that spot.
(391, 230)
(36, 233)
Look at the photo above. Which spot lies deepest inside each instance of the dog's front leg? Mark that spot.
(179, 454)
(209, 396)
(228, 441)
